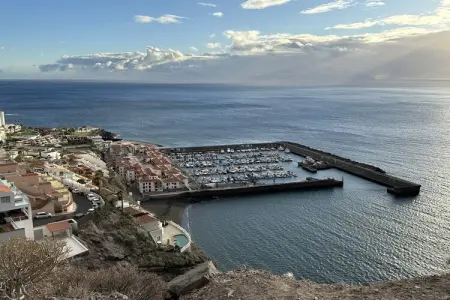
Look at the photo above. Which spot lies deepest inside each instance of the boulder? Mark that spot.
(194, 279)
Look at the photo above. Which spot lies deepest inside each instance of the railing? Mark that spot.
(188, 236)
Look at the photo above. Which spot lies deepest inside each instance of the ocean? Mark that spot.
(357, 234)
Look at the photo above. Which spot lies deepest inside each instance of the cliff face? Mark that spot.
(114, 239)
(261, 285)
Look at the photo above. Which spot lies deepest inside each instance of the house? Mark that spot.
(62, 230)
(15, 213)
(152, 225)
(146, 221)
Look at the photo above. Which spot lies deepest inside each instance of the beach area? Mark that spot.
(166, 210)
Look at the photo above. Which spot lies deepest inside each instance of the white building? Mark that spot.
(15, 213)
(2, 119)
(50, 154)
(2, 134)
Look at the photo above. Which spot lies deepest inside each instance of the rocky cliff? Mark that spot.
(261, 285)
(114, 239)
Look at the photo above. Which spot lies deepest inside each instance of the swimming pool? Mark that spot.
(181, 240)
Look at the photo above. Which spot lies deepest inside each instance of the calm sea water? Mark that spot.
(356, 234)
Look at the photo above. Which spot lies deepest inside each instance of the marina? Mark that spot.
(261, 164)
(229, 166)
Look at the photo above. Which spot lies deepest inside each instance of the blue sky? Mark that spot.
(41, 32)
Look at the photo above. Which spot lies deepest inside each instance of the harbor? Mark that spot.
(240, 166)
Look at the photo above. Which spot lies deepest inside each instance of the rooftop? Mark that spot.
(5, 189)
(144, 219)
(58, 226)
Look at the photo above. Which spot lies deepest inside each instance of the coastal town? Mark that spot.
(54, 179)
(88, 188)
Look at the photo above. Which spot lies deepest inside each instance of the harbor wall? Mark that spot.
(219, 147)
(197, 195)
(395, 185)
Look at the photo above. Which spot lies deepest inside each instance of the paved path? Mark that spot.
(83, 204)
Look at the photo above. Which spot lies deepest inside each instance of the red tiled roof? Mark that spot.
(144, 219)
(132, 211)
(5, 189)
(58, 226)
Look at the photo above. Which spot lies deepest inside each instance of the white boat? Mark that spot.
(287, 150)
(280, 148)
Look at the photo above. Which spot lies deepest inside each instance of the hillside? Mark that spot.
(261, 285)
(114, 239)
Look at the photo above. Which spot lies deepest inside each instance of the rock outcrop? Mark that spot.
(261, 285)
(114, 239)
(196, 278)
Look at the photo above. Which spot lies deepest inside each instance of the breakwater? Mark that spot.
(203, 194)
(395, 185)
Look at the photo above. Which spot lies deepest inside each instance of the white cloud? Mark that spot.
(254, 57)
(323, 8)
(358, 25)
(165, 19)
(194, 49)
(207, 4)
(212, 35)
(375, 3)
(261, 4)
(151, 59)
(218, 14)
(439, 18)
(213, 45)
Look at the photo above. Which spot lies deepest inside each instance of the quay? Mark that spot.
(210, 194)
(395, 185)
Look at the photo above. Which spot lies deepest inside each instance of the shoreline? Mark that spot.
(166, 210)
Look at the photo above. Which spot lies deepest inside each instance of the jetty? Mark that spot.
(194, 196)
(395, 185)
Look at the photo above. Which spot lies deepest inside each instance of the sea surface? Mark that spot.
(356, 234)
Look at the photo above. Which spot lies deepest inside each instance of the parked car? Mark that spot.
(90, 210)
(43, 215)
(76, 191)
(92, 197)
(78, 215)
(95, 205)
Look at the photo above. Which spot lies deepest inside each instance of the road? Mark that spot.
(83, 204)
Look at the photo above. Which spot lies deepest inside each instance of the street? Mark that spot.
(83, 204)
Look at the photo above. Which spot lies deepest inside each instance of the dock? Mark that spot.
(210, 194)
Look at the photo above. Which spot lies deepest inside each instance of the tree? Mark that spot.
(82, 181)
(25, 264)
(97, 177)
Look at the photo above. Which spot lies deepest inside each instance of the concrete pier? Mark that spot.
(396, 186)
(209, 194)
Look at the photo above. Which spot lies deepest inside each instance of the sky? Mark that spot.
(292, 41)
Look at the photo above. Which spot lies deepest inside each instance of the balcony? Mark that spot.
(9, 229)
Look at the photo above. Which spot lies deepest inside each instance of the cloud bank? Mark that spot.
(280, 58)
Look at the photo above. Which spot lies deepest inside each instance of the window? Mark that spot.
(6, 199)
